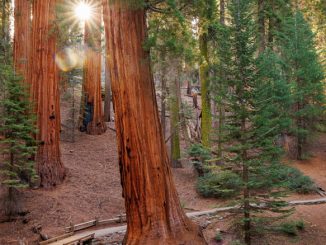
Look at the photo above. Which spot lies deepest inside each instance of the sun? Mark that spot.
(83, 11)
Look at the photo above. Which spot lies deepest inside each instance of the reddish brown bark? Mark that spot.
(22, 37)
(154, 214)
(92, 73)
(45, 93)
(107, 102)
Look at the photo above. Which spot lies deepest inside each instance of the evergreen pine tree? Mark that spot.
(256, 99)
(305, 75)
(171, 43)
(17, 127)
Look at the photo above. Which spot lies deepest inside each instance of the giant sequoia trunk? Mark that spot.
(93, 115)
(22, 37)
(154, 214)
(107, 102)
(45, 93)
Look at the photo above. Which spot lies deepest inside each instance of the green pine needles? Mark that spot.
(257, 98)
(305, 75)
(266, 95)
(17, 129)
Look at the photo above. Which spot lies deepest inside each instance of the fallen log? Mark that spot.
(58, 238)
(213, 211)
(81, 226)
(120, 219)
(307, 202)
(81, 240)
(122, 229)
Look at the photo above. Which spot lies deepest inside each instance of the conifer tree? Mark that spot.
(255, 98)
(305, 74)
(207, 15)
(171, 43)
(17, 127)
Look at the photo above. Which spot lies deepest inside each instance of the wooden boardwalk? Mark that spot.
(108, 231)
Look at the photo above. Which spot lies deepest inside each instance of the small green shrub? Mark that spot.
(289, 229)
(292, 227)
(199, 151)
(236, 242)
(321, 127)
(302, 184)
(300, 224)
(295, 180)
(222, 184)
(218, 237)
(200, 154)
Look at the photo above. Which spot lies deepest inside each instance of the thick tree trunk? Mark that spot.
(206, 119)
(5, 26)
(271, 24)
(154, 214)
(107, 100)
(22, 37)
(45, 93)
(221, 105)
(108, 96)
(164, 93)
(300, 136)
(92, 76)
(174, 89)
(222, 12)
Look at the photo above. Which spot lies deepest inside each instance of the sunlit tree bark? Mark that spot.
(108, 96)
(45, 93)
(92, 75)
(154, 214)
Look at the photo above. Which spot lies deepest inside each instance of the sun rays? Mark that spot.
(75, 17)
(79, 12)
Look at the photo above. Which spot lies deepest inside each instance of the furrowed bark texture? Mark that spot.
(22, 37)
(107, 102)
(154, 214)
(92, 74)
(45, 93)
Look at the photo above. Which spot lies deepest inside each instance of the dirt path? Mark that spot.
(314, 216)
(91, 189)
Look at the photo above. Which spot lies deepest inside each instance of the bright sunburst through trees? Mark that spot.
(193, 122)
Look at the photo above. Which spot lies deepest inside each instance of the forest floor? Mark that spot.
(92, 189)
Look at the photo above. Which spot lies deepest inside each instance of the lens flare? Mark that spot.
(83, 11)
(69, 59)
